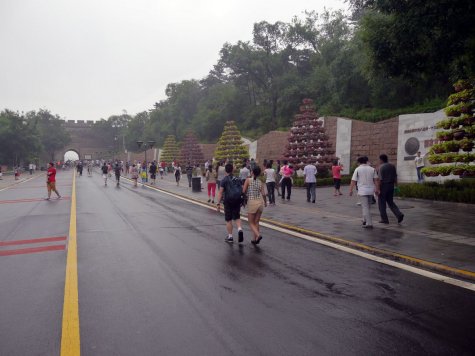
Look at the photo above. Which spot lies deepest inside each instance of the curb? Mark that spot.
(394, 256)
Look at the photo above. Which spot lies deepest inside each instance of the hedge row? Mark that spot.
(460, 191)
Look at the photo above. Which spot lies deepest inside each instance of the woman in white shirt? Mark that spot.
(269, 173)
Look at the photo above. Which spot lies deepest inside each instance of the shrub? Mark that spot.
(462, 191)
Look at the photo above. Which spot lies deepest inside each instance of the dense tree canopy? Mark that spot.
(28, 137)
(389, 57)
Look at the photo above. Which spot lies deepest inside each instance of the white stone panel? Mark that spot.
(343, 143)
(418, 128)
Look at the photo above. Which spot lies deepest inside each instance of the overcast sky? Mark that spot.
(90, 59)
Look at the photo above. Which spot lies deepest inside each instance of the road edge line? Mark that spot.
(70, 338)
(21, 182)
(372, 253)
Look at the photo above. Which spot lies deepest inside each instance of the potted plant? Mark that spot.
(430, 171)
(466, 145)
(458, 134)
(445, 135)
(435, 159)
(459, 170)
(451, 146)
(445, 170)
(444, 124)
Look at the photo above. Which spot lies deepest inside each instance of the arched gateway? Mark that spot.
(84, 142)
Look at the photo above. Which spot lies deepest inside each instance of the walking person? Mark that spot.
(153, 173)
(256, 201)
(244, 173)
(117, 171)
(134, 172)
(269, 173)
(278, 177)
(388, 180)
(105, 172)
(30, 168)
(286, 180)
(177, 173)
(368, 184)
(189, 173)
(89, 169)
(336, 173)
(419, 162)
(231, 189)
(310, 173)
(221, 173)
(51, 181)
(211, 179)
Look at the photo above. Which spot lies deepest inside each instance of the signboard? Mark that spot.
(87, 156)
(417, 132)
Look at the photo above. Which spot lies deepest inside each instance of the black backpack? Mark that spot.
(233, 192)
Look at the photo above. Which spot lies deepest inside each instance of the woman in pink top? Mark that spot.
(336, 171)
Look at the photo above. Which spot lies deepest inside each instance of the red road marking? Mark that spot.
(24, 251)
(33, 241)
(41, 186)
(29, 200)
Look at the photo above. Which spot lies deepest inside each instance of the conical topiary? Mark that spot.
(190, 149)
(230, 145)
(170, 150)
(308, 142)
(454, 152)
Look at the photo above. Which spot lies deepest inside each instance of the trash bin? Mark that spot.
(196, 184)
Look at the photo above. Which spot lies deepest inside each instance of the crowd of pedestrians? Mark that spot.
(234, 186)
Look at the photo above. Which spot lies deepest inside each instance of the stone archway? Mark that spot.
(71, 157)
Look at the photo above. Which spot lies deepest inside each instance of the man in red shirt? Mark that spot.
(51, 180)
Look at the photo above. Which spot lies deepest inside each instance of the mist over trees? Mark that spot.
(388, 57)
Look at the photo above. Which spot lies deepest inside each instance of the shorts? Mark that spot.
(337, 182)
(232, 212)
(153, 175)
(104, 176)
(51, 186)
(255, 205)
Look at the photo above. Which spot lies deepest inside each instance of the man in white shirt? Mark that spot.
(310, 173)
(419, 162)
(368, 184)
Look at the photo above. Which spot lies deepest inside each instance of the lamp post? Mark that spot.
(146, 145)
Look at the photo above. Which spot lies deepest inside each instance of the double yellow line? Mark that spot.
(70, 340)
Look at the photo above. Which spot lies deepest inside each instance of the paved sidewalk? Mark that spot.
(436, 232)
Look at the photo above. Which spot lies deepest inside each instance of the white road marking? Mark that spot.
(412, 269)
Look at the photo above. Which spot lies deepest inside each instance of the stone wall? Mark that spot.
(372, 139)
(208, 150)
(271, 146)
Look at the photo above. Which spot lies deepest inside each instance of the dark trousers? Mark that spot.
(386, 197)
(286, 184)
(270, 192)
(189, 176)
(311, 191)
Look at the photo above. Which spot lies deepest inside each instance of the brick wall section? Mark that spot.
(208, 150)
(372, 139)
(271, 146)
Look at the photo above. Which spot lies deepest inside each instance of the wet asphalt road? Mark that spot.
(157, 278)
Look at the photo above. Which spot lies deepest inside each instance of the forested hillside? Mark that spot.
(387, 58)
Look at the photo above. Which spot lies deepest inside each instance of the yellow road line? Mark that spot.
(70, 341)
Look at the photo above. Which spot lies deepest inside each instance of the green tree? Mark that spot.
(19, 138)
(53, 135)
